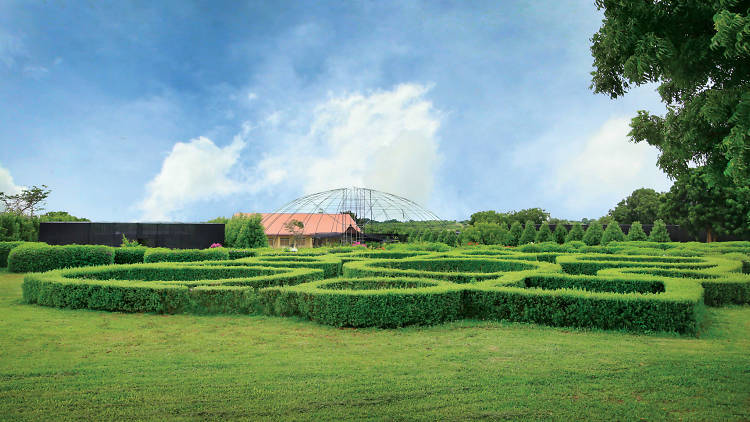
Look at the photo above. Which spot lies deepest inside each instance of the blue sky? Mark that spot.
(189, 110)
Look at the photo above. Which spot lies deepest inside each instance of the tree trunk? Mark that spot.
(709, 235)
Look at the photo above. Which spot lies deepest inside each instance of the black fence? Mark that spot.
(168, 235)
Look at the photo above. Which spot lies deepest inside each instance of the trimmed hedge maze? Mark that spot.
(614, 289)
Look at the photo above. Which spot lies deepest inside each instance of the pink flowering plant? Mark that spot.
(215, 245)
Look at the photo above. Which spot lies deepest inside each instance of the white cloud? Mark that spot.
(192, 171)
(7, 185)
(252, 96)
(385, 140)
(593, 175)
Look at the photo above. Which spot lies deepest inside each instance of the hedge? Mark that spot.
(5, 248)
(185, 255)
(242, 253)
(162, 288)
(129, 255)
(678, 309)
(367, 302)
(37, 257)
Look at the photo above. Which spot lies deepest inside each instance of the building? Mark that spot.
(319, 229)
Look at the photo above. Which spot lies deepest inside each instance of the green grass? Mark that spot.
(64, 364)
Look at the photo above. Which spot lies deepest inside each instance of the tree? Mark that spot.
(544, 234)
(659, 232)
(59, 216)
(536, 215)
(470, 234)
(699, 54)
(594, 233)
(560, 233)
(516, 230)
(529, 233)
(27, 202)
(243, 231)
(641, 205)
(696, 205)
(296, 228)
(636, 232)
(576, 233)
(613, 233)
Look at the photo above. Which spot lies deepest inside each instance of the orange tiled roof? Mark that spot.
(313, 223)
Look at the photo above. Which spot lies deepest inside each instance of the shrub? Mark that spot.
(575, 234)
(613, 233)
(5, 248)
(593, 235)
(185, 255)
(37, 257)
(129, 243)
(129, 254)
(529, 233)
(516, 230)
(636, 232)
(560, 233)
(659, 232)
(545, 234)
(241, 253)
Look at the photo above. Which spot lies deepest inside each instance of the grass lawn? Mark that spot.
(63, 364)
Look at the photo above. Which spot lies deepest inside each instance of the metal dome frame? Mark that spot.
(367, 205)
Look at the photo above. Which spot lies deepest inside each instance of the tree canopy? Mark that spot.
(642, 205)
(699, 53)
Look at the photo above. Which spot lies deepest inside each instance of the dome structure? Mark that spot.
(347, 214)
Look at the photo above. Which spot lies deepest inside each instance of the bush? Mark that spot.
(242, 253)
(529, 233)
(659, 232)
(185, 255)
(636, 232)
(5, 248)
(594, 233)
(575, 234)
(613, 233)
(545, 234)
(15, 227)
(516, 230)
(129, 254)
(37, 257)
(560, 233)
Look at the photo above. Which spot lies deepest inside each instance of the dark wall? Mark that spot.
(168, 235)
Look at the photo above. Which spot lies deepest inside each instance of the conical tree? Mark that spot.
(576, 233)
(613, 233)
(529, 233)
(560, 233)
(636, 232)
(593, 235)
(659, 232)
(516, 230)
(544, 234)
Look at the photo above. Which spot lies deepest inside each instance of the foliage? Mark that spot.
(537, 215)
(613, 233)
(296, 228)
(53, 216)
(659, 232)
(470, 234)
(560, 234)
(129, 254)
(15, 227)
(575, 234)
(129, 243)
(185, 255)
(544, 234)
(37, 257)
(641, 205)
(5, 248)
(636, 232)
(27, 202)
(529, 233)
(244, 232)
(696, 204)
(698, 53)
(516, 231)
(594, 233)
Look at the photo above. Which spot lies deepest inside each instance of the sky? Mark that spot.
(185, 111)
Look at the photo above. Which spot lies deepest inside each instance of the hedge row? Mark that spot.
(457, 270)
(171, 288)
(37, 257)
(185, 255)
(5, 248)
